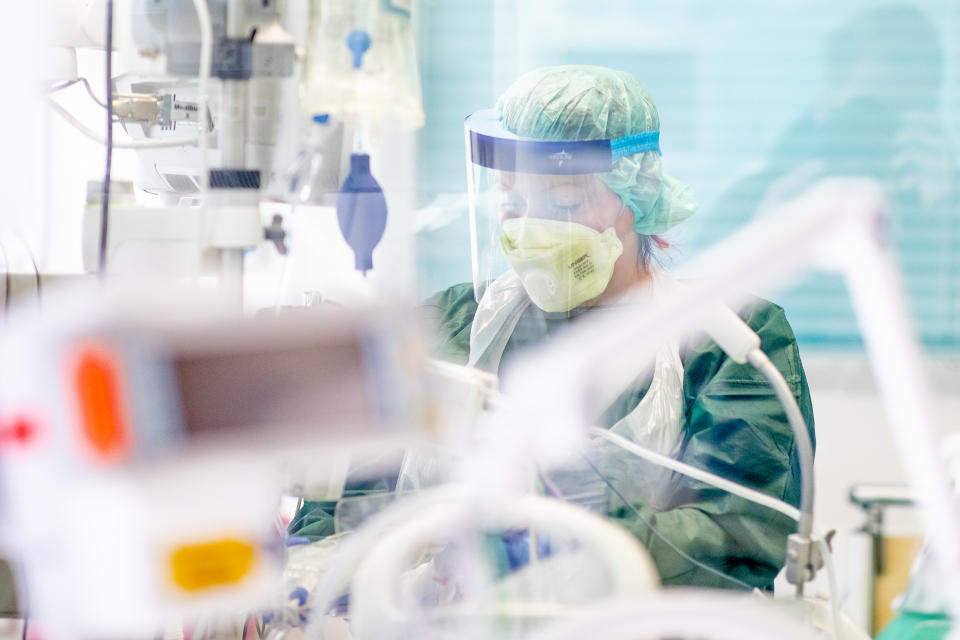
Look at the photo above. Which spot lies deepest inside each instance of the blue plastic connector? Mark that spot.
(296, 541)
(358, 42)
(300, 595)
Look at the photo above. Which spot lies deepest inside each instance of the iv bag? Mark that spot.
(379, 83)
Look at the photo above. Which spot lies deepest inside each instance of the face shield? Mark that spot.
(540, 213)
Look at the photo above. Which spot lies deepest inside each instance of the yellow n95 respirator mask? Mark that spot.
(561, 264)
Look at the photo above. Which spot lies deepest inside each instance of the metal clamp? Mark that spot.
(804, 558)
(138, 107)
(275, 234)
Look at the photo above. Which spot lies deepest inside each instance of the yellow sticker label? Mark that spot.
(212, 564)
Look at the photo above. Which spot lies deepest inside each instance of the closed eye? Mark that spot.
(513, 208)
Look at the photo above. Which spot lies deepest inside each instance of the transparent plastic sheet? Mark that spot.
(421, 468)
(656, 424)
(305, 564)
(425, 467)
(352, 511)
(303, 569)
(500, 308)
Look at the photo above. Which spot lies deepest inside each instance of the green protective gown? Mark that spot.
(735, 427)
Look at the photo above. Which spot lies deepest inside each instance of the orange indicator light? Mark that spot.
(101, 416)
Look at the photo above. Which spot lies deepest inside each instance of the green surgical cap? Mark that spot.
(579, 102)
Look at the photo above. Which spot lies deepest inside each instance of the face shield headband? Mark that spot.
(492, 146)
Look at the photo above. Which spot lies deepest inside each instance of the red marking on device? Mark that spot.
(18, 431)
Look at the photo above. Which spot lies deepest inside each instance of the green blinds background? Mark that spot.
(757, 100)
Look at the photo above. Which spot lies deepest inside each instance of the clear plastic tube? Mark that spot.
(698, 474)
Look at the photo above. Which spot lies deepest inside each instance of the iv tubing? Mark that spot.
(698, 474)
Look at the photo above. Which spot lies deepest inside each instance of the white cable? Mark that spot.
(827, 554)
(203, 90)
(133, 144)
(698, 474)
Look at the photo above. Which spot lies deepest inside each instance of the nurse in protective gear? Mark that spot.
(567, 198)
